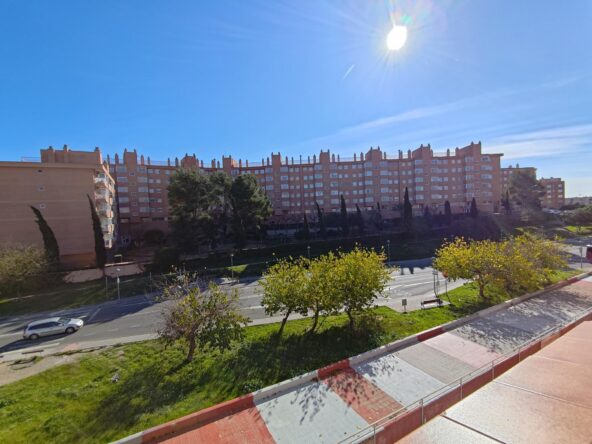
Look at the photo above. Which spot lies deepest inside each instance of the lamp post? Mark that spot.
(308, 250)
(118, 293)
(232, 265)
(388, 249)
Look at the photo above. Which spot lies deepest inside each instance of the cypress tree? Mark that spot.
(344, 221)
(379, 220)
(321, 221)
(508, 203)
(50, 243)
(447, 213)
(360, 219)
(100, 252)
(306, 228)
(407, 211)
(473, 212)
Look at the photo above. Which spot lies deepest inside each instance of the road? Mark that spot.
(138, 317)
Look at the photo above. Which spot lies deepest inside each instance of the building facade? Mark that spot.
(294, 186)
(508, 171)
(58, 185)
(554, 193)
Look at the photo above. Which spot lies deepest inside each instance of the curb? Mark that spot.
(221, 410)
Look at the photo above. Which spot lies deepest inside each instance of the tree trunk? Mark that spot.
(191, 351)
(315, 321)
(351, 321)
(283, 323)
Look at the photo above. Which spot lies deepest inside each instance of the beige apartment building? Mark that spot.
(58, 184)
(554, 193)
(294, 185)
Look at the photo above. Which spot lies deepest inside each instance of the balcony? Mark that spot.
(105, 211)
(103, 195)
(107, 228)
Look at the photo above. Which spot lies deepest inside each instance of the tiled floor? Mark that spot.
(342, 404)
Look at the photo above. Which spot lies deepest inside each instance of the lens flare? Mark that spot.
(396, 39)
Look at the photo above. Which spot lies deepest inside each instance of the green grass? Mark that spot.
(78, 402)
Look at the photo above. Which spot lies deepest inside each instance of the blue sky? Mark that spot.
(250, 77)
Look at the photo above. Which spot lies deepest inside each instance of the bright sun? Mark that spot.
(396, 38)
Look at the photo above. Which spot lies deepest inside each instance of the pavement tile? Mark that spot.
(245, 426)
(370, 402)
(500, 338)
(464, 350)
(513, 415)
(571, 349)
(444, 431)
(312, 413)
(401, 380)
(436, 363)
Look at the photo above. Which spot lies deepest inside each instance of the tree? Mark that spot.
(50, 243)
(21, 268)
(427, 215)
(208, 319)
(250, 207)
(360, 219)
(219, 208)
(306, 227)
(100, 251)
(321, 294)
(321, 218)
(447, 213)
(407, 212)
(359, 277)
(526, 192)
(473, 212)
(581, 217)
(379, 223)
(284, 290)
(506, 203)
(344, 220)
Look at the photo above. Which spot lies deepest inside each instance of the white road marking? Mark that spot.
(94, 314)
(113, 329)
(135, 326)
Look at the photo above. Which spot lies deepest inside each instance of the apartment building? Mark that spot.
(580, 200)
(294, 185)
(58, 184)
(554, 193)
(508, 171)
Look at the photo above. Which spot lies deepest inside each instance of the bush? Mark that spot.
(165, 259)
(22, 269)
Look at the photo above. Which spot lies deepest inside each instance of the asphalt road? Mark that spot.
(138, 317)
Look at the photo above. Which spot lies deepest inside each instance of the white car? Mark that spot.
(52, 326)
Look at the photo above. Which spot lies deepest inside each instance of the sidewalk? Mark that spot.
(341, 401)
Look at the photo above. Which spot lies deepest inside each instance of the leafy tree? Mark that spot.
(284, 290)
(100, 251)
(208, 319)
(407, 212)
(344, 219)
(321, 217)
(250, 207)
(473, 212)
(321, 293)
(427, 215)
(21, 268)
(50, 243)
(154, 236)
(360, 219)
(447, 213)
(219, 208)
(306, 227)
(526, 192)
(581, 217)
(506, 203)
(359, 277)
(379, 222)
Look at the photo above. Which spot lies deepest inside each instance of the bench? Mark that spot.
(437, 301)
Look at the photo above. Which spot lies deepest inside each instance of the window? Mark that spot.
(122, 189)
(143, 189)
(122, 179)
(123, 200)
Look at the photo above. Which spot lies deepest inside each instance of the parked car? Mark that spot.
(51, 326)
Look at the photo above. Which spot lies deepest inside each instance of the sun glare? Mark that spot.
(396, 38)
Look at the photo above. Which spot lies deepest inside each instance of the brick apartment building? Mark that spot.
(57, 184)
(554, 193)
(294, 185)
(508, 171)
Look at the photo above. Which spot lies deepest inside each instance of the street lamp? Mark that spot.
(308, 250)
(117, 271)
(232, 265)
(388, 249)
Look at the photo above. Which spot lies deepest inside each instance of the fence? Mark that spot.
(403, 421)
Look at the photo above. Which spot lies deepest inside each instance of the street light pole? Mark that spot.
(581, 256)
(118, 294)
(388, 249)
(308, 250)
(232, 265)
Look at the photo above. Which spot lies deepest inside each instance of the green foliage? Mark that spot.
(447, 213)
(526, 192)
(50, 243)
(581, 217)
(501, 269)
(21, 268)
(250, 207)
(165, 258)
(321, 219)
(203, 320)
(100, 251)
(154, 237)
(344, 218)
(306, 228)
(473, 212)
(427, 216)
(360, 219)
(407, 212)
